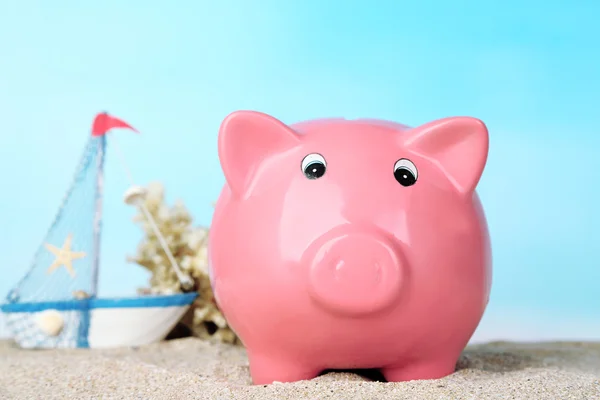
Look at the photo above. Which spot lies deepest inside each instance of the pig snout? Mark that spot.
(355, 272)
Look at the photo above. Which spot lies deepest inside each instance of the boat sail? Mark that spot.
(56, 304)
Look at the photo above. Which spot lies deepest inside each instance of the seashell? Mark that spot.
(51, 322)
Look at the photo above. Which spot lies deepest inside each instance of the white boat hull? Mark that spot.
(95, 323)
(118, 327)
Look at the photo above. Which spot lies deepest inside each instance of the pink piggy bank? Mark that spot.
(351, 244)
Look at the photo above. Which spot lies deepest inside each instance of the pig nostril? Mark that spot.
(377, 273)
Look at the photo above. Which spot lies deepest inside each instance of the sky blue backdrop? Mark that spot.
(530, 70)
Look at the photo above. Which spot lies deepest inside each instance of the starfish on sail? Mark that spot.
(64, 256)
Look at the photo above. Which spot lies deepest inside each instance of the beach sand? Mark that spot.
(192, 369)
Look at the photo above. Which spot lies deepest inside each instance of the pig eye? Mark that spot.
(405, 172)
(314, 166)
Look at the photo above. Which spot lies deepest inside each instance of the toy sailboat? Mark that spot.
(55, 305)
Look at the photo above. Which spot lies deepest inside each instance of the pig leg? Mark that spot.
(266, 370)
(418, 370)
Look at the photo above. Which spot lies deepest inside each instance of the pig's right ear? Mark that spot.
(246, 139)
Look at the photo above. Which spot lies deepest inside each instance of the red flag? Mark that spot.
(105, 122)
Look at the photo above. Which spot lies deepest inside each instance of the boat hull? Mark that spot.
(97, 323)
(118, 327)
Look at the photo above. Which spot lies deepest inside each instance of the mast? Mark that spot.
(85, 316)
(97, 228)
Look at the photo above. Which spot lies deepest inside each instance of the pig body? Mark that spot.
(340, 244)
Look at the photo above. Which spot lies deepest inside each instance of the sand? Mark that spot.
(192, 369)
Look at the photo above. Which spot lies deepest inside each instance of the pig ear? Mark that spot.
(459, 146)
(246, 139)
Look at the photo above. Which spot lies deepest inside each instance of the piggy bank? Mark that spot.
(350, 244)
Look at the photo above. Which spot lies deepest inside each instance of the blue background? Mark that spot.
(176, 69)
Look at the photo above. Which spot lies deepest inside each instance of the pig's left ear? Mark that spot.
(246, 139)
(458, 145)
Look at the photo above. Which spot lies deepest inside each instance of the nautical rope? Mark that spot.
(186, 282)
